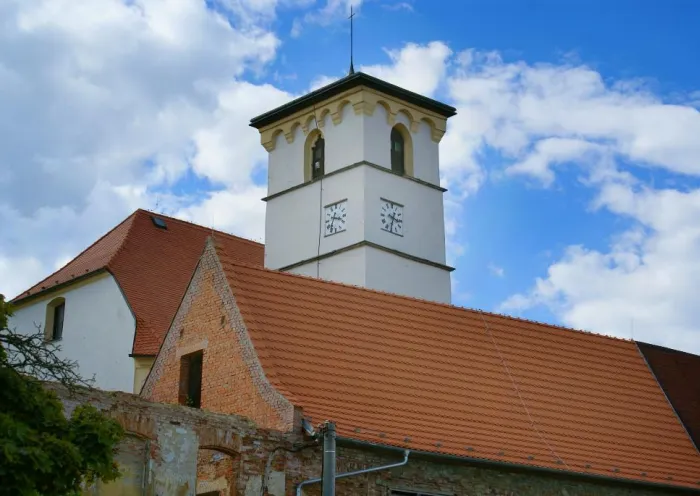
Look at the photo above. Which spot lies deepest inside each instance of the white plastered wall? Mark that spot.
(393, 274)
(98, 330)
(376, 269)
(294, 219)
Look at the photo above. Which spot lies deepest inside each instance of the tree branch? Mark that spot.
(30, 354)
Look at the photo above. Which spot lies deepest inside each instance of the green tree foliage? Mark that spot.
(43, 453)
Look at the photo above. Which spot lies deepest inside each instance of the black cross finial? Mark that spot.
(352, 15)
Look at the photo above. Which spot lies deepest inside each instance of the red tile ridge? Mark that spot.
(140, 211)
(515, 320)
(25, 294)
(199, 226)
(122, 245)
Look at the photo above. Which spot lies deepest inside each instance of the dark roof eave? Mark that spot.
(344, 84)
(521, 467)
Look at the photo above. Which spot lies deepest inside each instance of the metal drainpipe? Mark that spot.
(329, 459)
(357, 472)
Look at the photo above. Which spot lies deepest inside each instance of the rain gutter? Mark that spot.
(523, 468)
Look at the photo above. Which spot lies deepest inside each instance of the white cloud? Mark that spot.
(15, 273)
(332, 11)
(228, 149)
(512, 106)
(102, 89)
(398, 6)
(321, 81)
(496, 270)
(240, 212)
(540, 118)
(418, 68)
(644, 285)
(258, 12)
(548, 152)
(105, 105)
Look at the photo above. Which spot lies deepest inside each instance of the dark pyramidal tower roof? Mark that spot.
(347, 83)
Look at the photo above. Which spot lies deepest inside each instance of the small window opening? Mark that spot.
(191, 379)
(158, 222)
(58, 313)
(397, 152)
(317, 158)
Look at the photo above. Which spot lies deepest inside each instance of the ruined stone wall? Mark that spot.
(173, 450)
(232, 379)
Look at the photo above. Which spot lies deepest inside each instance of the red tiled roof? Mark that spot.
(153, 267)
(678, 374)
(461, 382)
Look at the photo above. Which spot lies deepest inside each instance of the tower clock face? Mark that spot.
(391, 217)
(336, 217)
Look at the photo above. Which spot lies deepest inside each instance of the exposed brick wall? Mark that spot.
(232, 378)
(216, 472)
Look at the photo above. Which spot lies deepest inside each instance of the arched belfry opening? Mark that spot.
(317, 157)
(314, 156)
(398, 156)
(401, 150)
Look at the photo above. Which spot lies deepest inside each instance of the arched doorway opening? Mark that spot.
(217, 472)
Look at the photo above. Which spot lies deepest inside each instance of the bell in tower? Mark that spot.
(317, 157)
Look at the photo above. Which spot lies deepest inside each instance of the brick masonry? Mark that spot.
(233, 379)
(181, 451)
(216, 471)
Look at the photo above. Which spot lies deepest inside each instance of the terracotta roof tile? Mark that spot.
(461, 382)
(94, 258)
(153, 267)
(678, 374)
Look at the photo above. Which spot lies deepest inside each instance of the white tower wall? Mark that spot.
(357, 168)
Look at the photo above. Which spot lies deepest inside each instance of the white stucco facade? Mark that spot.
(358, 170)
(369, 267)
(98, 330)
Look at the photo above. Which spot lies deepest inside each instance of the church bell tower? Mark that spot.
(354, 190)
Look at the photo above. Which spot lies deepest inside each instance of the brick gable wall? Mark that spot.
(233, 380)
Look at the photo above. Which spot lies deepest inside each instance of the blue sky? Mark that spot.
(627, 39)
(572, 165)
